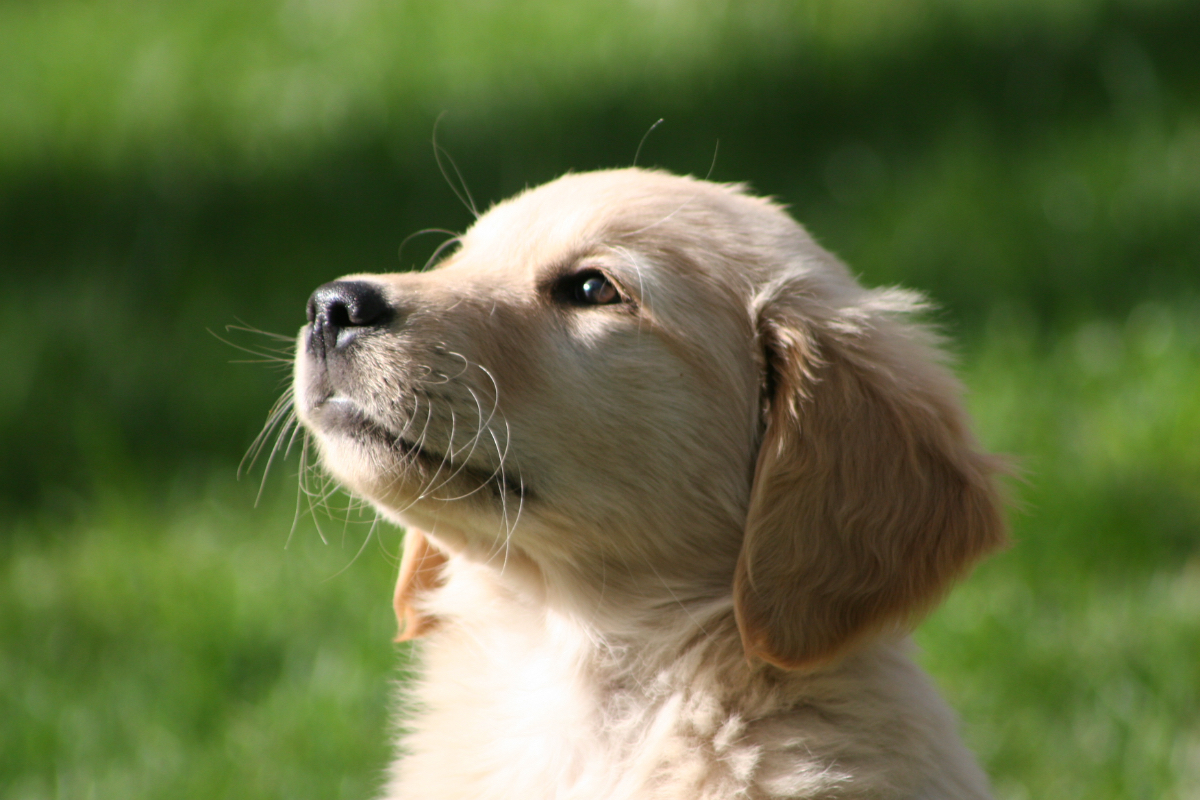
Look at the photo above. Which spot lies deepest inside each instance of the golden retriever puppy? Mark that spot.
(675, 487)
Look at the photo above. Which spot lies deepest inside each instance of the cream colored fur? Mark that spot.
(667, 547)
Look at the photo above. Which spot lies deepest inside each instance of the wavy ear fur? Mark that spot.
(869, 495)
(420, 570)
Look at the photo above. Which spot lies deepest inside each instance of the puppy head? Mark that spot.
(651, 388)
(577, 385)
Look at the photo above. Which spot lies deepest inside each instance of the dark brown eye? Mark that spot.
(594, 289)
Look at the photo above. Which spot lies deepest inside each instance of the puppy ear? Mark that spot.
(420, 570)
(869, 494)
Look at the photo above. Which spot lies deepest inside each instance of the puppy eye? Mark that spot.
(593, 289)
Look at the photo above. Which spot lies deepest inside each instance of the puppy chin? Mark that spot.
(351, 461)
(400, 491)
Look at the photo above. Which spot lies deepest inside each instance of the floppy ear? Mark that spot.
(869, 494)
(420, 570)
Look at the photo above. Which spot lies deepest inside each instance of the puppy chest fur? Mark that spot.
(520, 704)
(675, 487)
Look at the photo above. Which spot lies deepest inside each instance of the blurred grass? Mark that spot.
(182, 650)
(1074, 657)
(100, 84)
(171, 168)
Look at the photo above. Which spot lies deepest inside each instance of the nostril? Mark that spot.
(337, 314)
(347, 303)
(365, 304)
(339, 305)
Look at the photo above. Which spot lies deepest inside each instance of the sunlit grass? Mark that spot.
(188, 650)
(218, 83)
(265, 82)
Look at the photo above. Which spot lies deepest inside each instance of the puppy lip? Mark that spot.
(338, 402)
(334, 412)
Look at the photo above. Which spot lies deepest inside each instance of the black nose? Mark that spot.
(339, 310)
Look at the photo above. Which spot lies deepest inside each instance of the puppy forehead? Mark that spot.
(580, 213)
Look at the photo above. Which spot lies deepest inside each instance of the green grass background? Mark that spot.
(168, 169)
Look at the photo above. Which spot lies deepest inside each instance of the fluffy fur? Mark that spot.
(668, 545)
